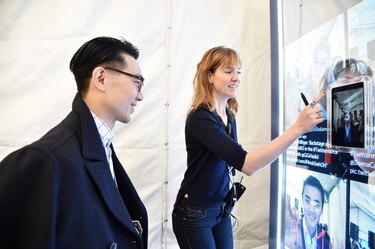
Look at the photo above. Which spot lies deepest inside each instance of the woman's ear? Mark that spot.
(210, 77)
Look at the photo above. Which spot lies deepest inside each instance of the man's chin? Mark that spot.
(125, 120)
(312, 226)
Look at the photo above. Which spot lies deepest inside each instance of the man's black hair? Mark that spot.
(99, 51)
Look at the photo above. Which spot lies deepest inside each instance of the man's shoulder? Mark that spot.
(58, 136)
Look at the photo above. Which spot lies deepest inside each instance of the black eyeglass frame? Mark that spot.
(138, 77)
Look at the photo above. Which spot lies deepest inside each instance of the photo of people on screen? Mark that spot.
(313, 234)
(305, 229)
(348, 115)
(362, 216)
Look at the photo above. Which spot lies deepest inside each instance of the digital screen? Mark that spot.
(337, 208)
(348, 115)
(361, 215)
(310, 197)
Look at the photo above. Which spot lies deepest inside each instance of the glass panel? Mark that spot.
(329, 197)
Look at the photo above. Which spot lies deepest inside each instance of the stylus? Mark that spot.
(304, 99)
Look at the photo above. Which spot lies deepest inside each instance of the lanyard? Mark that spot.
(305, 244)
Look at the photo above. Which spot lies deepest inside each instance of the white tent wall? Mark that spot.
(39, 37)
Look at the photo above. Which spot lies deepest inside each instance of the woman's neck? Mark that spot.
(221, 107)
(223, 114)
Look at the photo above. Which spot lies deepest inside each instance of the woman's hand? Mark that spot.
(266, 154)
(310, 116)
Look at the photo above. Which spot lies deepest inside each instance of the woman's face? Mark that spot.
(226, 80)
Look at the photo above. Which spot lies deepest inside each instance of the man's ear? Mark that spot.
(98, 75)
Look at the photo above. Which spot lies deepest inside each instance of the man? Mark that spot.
(348, 133)
(68, 189)
(312, 233)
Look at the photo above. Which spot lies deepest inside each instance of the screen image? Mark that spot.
(362, 214)
(334, 54)
(348, 115)
(314, 212)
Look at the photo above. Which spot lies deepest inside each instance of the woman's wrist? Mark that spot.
(296, 130)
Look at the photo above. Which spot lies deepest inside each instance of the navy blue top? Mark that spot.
(211, 148)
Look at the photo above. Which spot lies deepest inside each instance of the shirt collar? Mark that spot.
(104, 131)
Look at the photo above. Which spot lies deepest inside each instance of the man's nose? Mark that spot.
(139, 96)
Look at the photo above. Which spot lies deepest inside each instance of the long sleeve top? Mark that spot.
(211, 148)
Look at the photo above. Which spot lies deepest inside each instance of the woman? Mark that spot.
(200, 219)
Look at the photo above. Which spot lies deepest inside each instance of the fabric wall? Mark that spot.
(39, 37)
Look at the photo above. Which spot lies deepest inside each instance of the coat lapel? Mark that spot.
(98, 168)
(101, 174)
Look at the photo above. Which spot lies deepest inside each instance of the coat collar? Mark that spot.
(98, 168)
(92, 147)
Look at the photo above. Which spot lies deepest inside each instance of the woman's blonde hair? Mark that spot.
(213, 59)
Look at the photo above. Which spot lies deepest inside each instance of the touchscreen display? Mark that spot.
(348, 115)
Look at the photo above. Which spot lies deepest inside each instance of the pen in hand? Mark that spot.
(304, 99)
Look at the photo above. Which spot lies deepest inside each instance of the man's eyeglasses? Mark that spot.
(138, 77)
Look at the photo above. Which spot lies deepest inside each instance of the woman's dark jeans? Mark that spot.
(197, 228)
